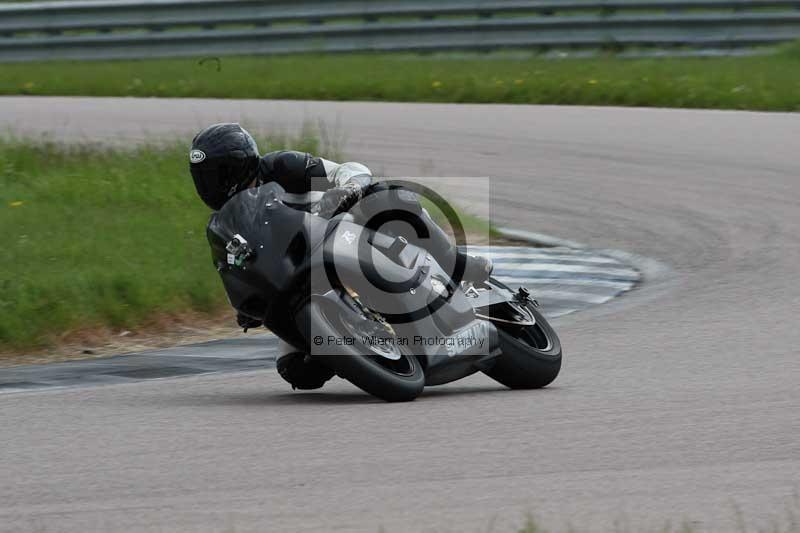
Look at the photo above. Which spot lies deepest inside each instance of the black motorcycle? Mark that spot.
(370, 304)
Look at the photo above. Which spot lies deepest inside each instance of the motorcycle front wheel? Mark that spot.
(385, 369)
(531, 355)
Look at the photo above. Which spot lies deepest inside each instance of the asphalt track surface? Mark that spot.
(678, 401)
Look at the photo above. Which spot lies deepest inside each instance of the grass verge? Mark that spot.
(100, 240)
(764, 82)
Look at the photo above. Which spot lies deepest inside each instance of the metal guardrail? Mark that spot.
(107, 29)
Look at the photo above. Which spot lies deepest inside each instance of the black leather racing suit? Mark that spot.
(305, 177)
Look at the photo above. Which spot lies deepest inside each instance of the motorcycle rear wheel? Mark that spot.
(398, 380)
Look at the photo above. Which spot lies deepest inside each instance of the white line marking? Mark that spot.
(572, 296)
(518, 250)
(621, 285)
(500, 258)
(555, 267)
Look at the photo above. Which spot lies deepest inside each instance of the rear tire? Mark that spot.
(523, 365)
(366, 372)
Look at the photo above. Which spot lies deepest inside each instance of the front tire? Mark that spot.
(531, 357)
(393, 381)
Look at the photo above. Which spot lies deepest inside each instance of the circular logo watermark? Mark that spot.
(393, 207)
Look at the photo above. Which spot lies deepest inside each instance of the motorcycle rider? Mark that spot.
(224, 160)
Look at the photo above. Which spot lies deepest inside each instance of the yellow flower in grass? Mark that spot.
(519, 82)
(15, 204)
(592, 82)
(436, 84)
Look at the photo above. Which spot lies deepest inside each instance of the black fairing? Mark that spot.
(278, 235)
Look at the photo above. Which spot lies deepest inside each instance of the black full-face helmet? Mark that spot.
(223, 160)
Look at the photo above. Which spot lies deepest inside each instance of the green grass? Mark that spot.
(99, 238)
(764, 82)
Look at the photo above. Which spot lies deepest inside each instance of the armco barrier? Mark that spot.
(166, 28)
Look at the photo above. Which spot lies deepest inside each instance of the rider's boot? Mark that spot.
(301, 371)
(477, 269)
